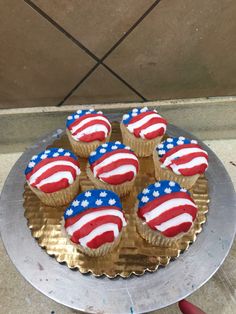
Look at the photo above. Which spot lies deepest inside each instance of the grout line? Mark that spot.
(78, 84)
(126, 83)
(130, 30)
(61, 29)
(91, 54)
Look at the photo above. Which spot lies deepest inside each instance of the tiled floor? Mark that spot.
(217, 296)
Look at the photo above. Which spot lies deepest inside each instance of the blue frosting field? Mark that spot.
(157, 189)
(92, 199)
(48, 153)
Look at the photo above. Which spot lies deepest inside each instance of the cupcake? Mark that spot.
(142, 129)
(181, 160)
(165, 213)
(86, 130)
(94, 222)
(113, 166)
(53, 175)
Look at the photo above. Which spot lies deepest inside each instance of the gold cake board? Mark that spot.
(133, 255)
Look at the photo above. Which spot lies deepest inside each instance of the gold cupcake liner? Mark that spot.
(141, 147)
(83, 149)
(166, 174)
(133, 255)
(58, 198)
(120, 189)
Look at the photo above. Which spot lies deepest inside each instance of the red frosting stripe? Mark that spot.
(106, 237)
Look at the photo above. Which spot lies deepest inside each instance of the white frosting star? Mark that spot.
(60, 150)
(79, 111)
(180, 142)
(98, 202)
(104, 145)
(100, 112)
(144, 199)
(162, 152)
(193, 142)
(69, 118)
(160, 146)
(69, 212)
(125, 117)
(157, 184)
(114, 147)
(93, 153)
(145, 191)
(144, 109)
(111, 201)
(155, 193)
(75, 203)
(169, 140)
(171, 183)
(47, 151)
(55, 155)
(102, 150)
(167, 190)
(103, 194)
(34, 157)
(91, 110)
(67, 154)
(134, 114)
(87, 194)
(117, 142)
(182, 138)
(88, 112)
(44, 156)
(31, 164)
(76, 116)
(84, 203)
(169, 145)
(135, 110)
(127, 147)
(183, 190)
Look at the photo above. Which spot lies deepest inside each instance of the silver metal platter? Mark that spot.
(147, 293)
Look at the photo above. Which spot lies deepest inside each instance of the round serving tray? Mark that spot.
(134, 294)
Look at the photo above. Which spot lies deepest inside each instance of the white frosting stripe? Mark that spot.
(99, 231)
(90, 130)
(113, 158)
(151, 129)
(43, 169)
(181, 153)
(193, 163)
(94, 215)
(87, 120)
(118, 171)
(176, 221)
(131, 127)
(57, 177)
(157, 211)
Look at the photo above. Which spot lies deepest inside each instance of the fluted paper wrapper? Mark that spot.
(141, 147)
(59, 198)
(166, 174)
(133, 255)
(84, 149)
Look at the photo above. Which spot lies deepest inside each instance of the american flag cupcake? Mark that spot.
(165, 213)
(180, 159)
(94, 222)
(86, 130)
(53, 175)
(142, 129)
(113, 166)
